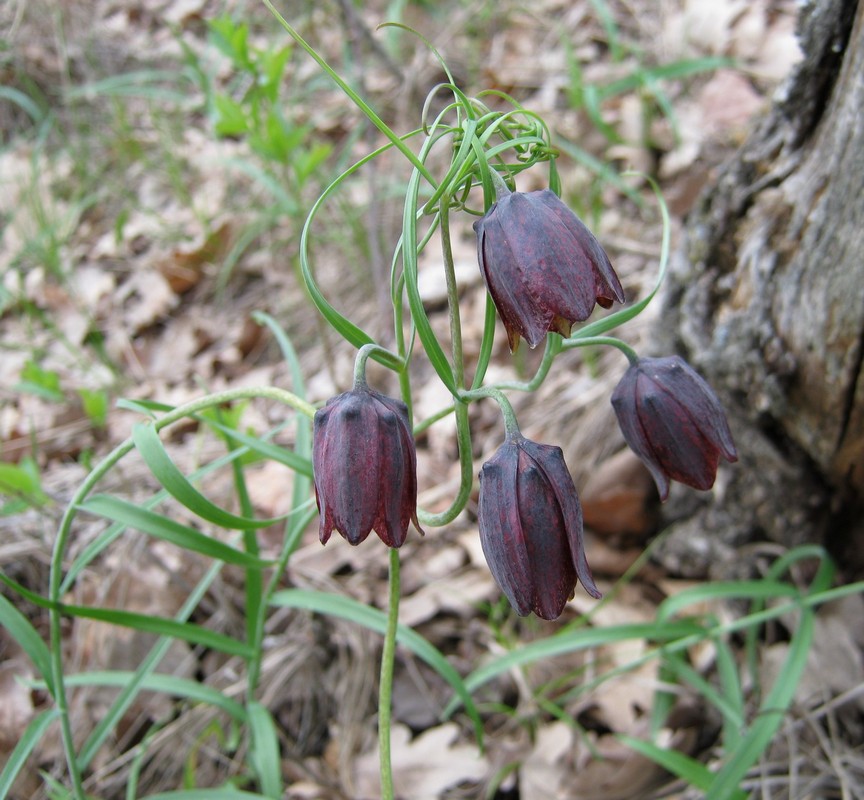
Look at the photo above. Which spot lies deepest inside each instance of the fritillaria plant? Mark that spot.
(545, 271)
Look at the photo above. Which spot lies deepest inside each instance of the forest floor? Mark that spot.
(140, 232)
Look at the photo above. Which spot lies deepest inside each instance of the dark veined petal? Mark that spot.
(607, 285)
(673, 421)
(626, 410)
(501, 534)
(561, 482)
(542, 266)
(531, 527)
(553, 576)
(365, 467)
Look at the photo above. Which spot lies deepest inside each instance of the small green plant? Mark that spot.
(252, 107)
(21, 487)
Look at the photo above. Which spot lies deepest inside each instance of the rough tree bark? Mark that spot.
(766, 299)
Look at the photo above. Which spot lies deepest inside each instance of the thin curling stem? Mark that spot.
(611, 341)
(452, 294)
(466, 473)
(511, 426)
(365, 352)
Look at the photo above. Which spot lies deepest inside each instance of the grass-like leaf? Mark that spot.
(160, 682)
(571, 642)
(26, 636)
(169, 530)
(376, 620)
(18, 757)
(274, 452)
(186, 631)
(206, 794)
(176, 484)
(692, 771)
(264, 751)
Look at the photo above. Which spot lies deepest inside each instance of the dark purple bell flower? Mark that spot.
(673, 421)
(543, 268)
(531, 527)
(365, 467)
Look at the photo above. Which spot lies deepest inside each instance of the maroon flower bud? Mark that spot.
(365, 467)
(531, 527)
(673, 421)
(543, 268)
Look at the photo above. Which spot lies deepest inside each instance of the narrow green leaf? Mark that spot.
(433, 349)
(23, 101)
(194, 634)
(161, 527)
(166, 472)
(27, 637)
(126, 696)
(274, 452)
(28, 741)
(205, 794)
(376, 620)
(265, 750)
(690, 770)
(724, 590)
(571, 642)
(160, 682)
(36, 599)
(771, 713)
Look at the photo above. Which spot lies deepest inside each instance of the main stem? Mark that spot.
(385, 686)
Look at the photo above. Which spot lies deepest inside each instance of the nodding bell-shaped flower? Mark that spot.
(365, 467)
(673, 421)
(530, 524)
(543, 268)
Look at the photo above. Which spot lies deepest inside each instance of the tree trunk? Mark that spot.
(766, 300)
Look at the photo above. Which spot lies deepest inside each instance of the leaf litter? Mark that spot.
(126, 293)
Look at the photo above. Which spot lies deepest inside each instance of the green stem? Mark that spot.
(383, 355)
(452, 294)
(554, 343)
(511, 426)
(385, 686)
(611, 341)
(466, 475)
(55, 577)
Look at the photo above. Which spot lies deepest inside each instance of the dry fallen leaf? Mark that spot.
(423, 767)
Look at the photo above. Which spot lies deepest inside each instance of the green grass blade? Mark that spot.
(264, 751)
(571, 642)
(205, 794)
(175, 482)
(376, 620)
(165, 684)
(111, 718)
(274, 452)
(732, 691)
(132, 516)
(690, 770)
(18, 757)
(186, 631)
(770, 715)
(19, 627)
(724, 590)
(23, 101)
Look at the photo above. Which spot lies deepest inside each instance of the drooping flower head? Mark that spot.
(673, 421)
(530, 524)
(543, 268)
(365, 467)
